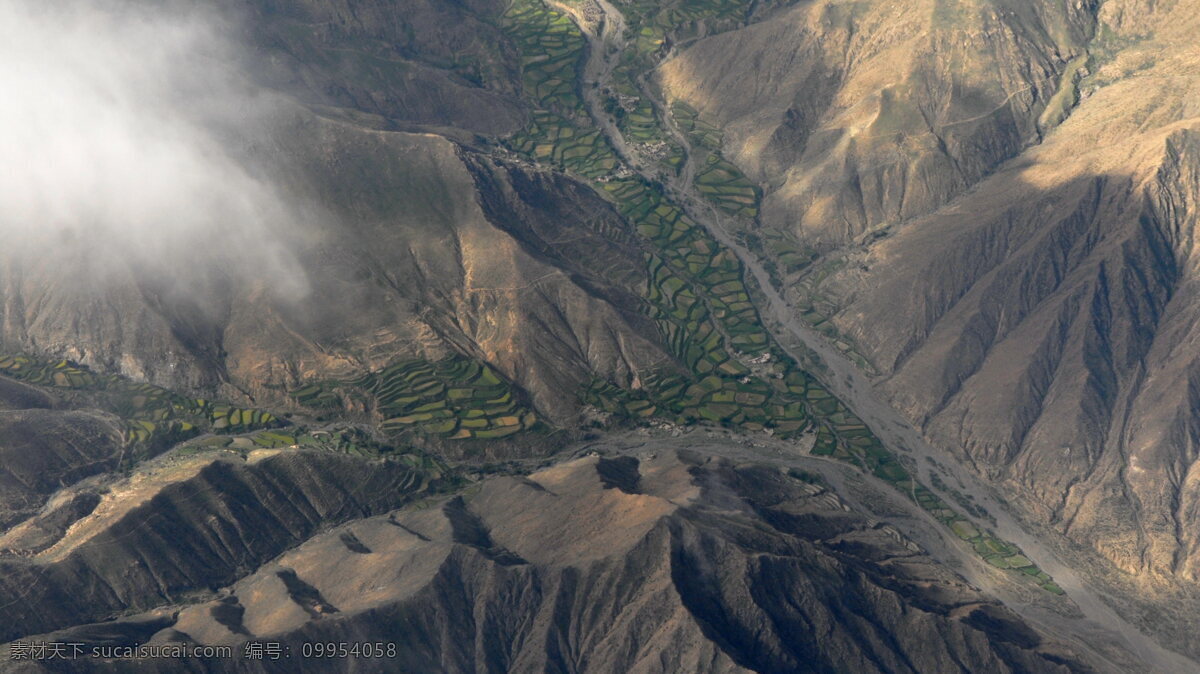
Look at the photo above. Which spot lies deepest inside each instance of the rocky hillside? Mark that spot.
(1021, 187)
(406, 259)
(438, 65)
(1039, 325)
(675, 561)
(862, 114)
(299, 369)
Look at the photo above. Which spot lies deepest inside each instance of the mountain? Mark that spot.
(867, 114)
(586, 336)
(436, 65)
(407, 260)
(1018, 273)
(676, 561)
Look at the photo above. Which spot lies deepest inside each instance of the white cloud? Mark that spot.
(115, 144)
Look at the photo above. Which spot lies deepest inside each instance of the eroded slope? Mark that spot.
(865, 113)
(667, 563)
(401, 262)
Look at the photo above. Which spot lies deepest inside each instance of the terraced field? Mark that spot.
(684, 254)
(697, 293)
(731, 371)
(639, 125)
(636, 116)
(816, 310)
(455, 398)
(718, 180)
(964, 501)
(695, 290)
(707, 336)
(430, 473)
(698, 131)
(551, 49)
(726, 186)
(554, 140)
(151, 414)
(652, 22)
(559, 133)
(781, 256)
(734, 375)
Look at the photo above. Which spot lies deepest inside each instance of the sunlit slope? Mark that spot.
(1043, 322)
(1042, 326)
(1006, 193)
(671, 561)
(860, 114)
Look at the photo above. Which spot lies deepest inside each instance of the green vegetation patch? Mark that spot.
(817, 309)
(429, 474)
(551, 49)
(698, 131)
(456, 398)
(552, 139)
(728, 369)
(722, 183)
(150, 414)
(651, 23)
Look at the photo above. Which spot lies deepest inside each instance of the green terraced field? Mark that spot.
(455, 398)
(638, 120)
(695, 290)
(687, 258)
(964, 501)
(781, 256)
(616, 400)
(150, 414)
(554, 140)
(551, 49)
(319, 396)
(816, 310)
(560, 133)
(697, 295)
(719, 180)
(723, 184)
(641, 125)
(852, 442)
(550, 63)
(698, 132)
(651, 22)
(430, 473)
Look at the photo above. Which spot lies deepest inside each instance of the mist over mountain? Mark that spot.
(591, 336)
(125, 147)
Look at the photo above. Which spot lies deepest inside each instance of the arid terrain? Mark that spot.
(602, 336)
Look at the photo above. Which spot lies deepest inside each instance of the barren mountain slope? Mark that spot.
(1039, 321)
(440, 65)
(486, 224)
(1043, 326)
(673, 562)
(863, 113)
(401, 260)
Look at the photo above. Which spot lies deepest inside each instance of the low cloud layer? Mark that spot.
(115, 146)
